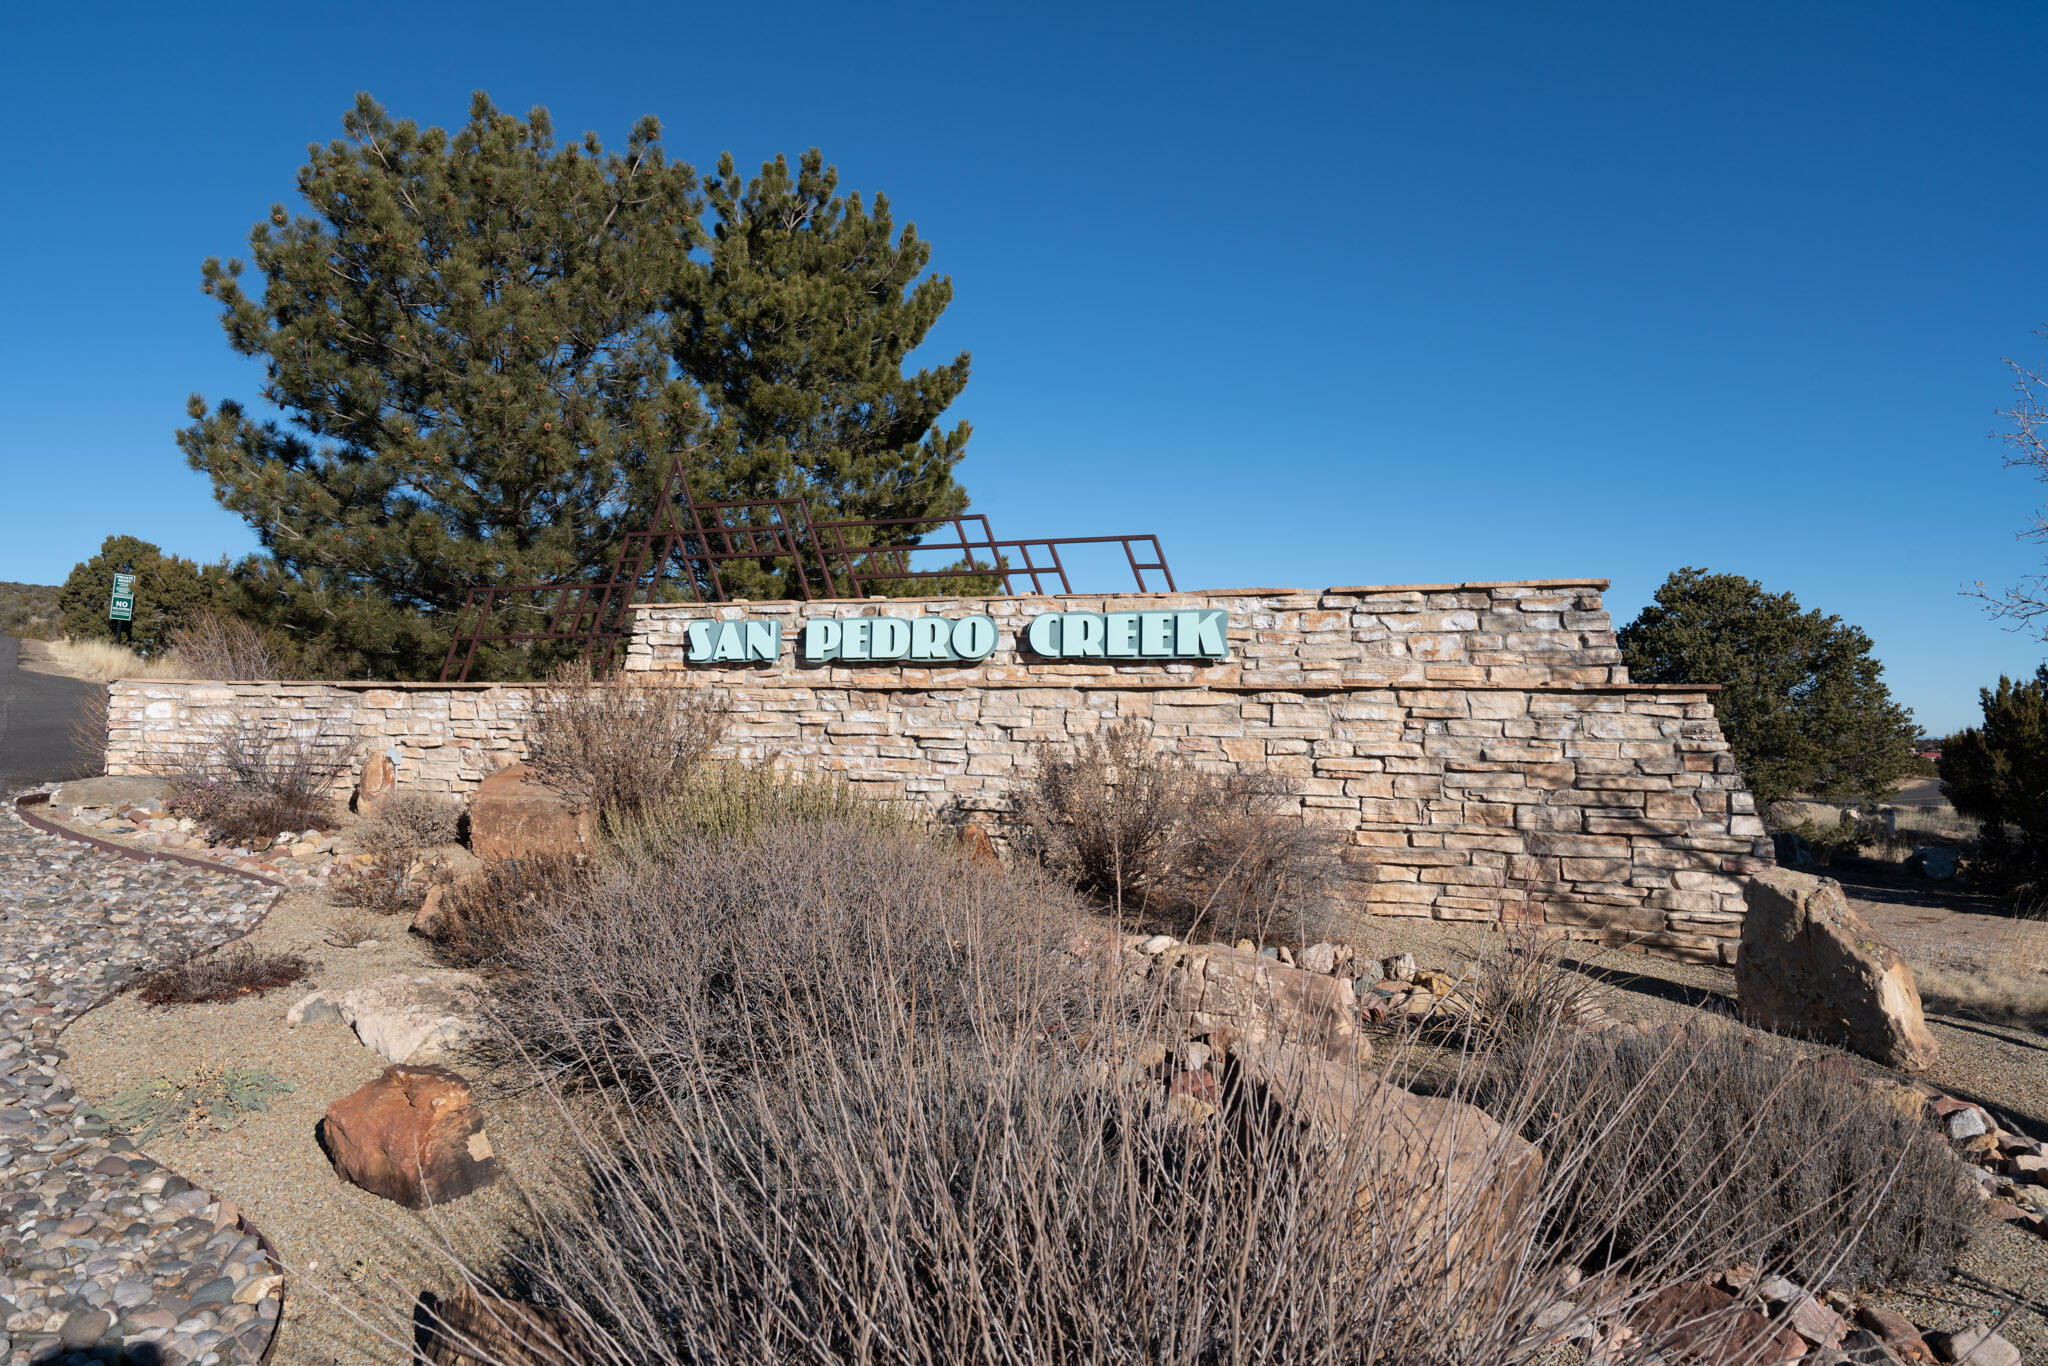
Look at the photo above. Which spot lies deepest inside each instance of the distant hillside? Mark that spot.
(28, 609)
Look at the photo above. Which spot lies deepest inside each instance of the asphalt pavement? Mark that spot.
(36, 716)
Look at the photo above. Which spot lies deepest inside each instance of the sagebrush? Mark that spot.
(1199, 853)
(618, 744)
(408, 821)
(250, 783)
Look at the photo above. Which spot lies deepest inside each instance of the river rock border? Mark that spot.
(102, 1247)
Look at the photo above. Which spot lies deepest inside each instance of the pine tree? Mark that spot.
(487, 348)
(1802, 703)
(1997, 774)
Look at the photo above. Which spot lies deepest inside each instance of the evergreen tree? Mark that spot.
(1802, 702)
(481, 345)
(1997, 774)
(169, 592)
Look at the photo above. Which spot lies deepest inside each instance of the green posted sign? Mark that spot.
(121, 607)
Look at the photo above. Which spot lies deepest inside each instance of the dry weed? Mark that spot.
(407, 821)
(225, 975)
(104, 661)
(250, 783)
(2010, 989)
(221, 647)
(618, 744)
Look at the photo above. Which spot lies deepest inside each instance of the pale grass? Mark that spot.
(2011, 988)
(104, 661)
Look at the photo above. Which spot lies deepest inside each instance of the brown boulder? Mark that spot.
(431, 920)
(1263, 1001)
(1709, 1325)
(515, 815)
(1810, 966)
(469, 1328)
(378, 777)
(410, 1136)
(1437, 1178)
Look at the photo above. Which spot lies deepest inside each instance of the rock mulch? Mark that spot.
(298, 858)
(100, 1246)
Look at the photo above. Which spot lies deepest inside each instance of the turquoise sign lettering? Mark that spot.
(1202, 634)
(732, 642)
(887, 640)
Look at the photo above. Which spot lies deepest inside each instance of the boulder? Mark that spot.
(1707, 1324)
(91, 792)
(410, 1136)
(1434, 1177)
(417, 1018)
(430, 920)
(515, 815)
(1975, 1347)
(472, 1328)
(1810, 966)
(1264, 1001)
(378, 777)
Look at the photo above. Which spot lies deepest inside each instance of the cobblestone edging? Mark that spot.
(105, 1254)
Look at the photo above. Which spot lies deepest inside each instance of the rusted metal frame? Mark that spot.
(849, 557)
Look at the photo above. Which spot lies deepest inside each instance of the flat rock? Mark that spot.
(111, 792)
(420, 1018)
(1809, 966)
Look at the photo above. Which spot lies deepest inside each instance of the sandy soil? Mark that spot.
(354, 1262)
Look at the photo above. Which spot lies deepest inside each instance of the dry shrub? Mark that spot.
(484, 916)
(89, 728)
(408, 821)
(227, 975)
(1745, 1137)
(617, 744)
(1191, 851)
(351, 932)
(384, 886)
(842, 1096)
(251, 784)
(222, 647)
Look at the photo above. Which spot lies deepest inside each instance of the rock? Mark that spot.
(1897, 1332)
(974, 842)
(418, 1018)
(410, 1136)
(1435, 983)
(1708, 1324)
(1861, 1347)
(1400, 968)
(1319, 958)
(316, 1007)
(1966, 1124)
(1810, 966)
(1157, 944)
(111, 792)
(1936, 862)
(515, 815)
(86, 1328)
(1261, 1000)
(1975, 1347)
(431, 920)
(1437, 1174)
(1814, 1321)
(378, 777)
(469, 1329)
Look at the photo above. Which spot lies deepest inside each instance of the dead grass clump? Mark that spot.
(103, 661)
(351, 932)
(1190, 851)
(2010, 989)
(222, 647)
(1704, 1134)
(227, 975)
(406, 821)
(616, 744)
(252, 785)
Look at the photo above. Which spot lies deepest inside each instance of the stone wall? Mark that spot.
(1480, 743)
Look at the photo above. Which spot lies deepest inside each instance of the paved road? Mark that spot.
(36, 714)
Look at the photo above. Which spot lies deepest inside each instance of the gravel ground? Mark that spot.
(356, 1262)
(102, 1247)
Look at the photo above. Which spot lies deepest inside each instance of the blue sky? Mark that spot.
(1359, 294)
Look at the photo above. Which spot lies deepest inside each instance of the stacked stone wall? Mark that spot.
(1479, 744)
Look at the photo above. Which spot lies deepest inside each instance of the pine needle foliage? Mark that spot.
(489, 346)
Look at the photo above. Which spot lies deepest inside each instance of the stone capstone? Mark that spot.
(1810, 966)
(410, 1136)
(515, 815)
(417, 1018)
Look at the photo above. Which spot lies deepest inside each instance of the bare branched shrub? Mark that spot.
(252, 783)
(861, 1126)
(1746, 1138)
(351, 932)
(488, 918)
(385, 885)
(212, 645)
(408, 821)
(618, 744)
(1188, 850)
(227, 975)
